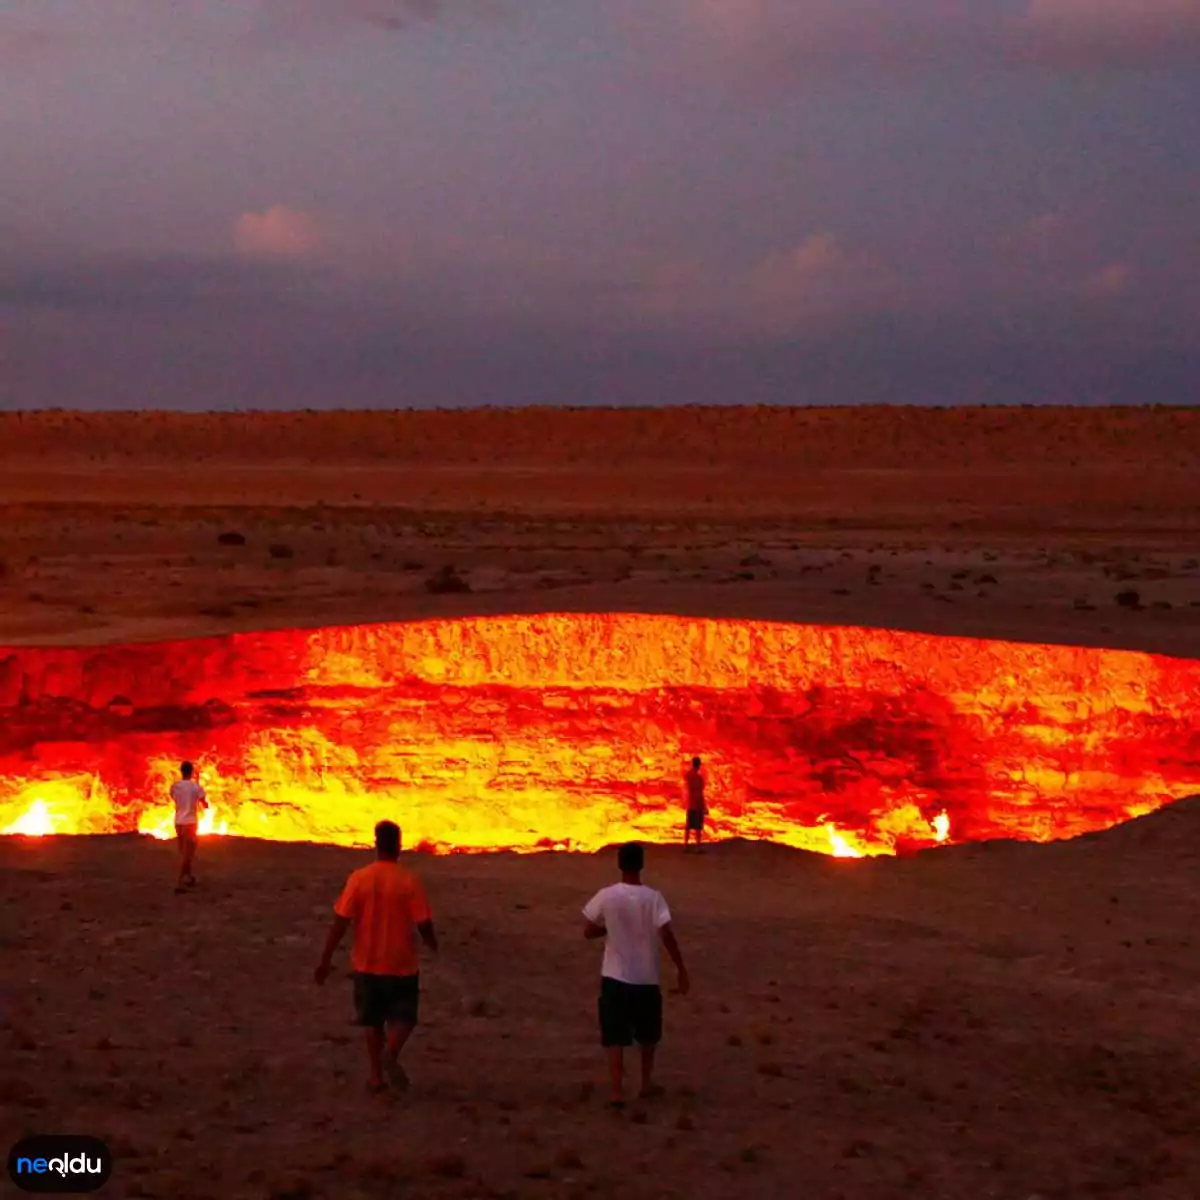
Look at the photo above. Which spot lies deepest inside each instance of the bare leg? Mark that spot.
(185, 860)
(375, 1058)
(616, 1070)
(397, 1036)
(648, 1087)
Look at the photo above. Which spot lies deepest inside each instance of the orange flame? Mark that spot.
(571, 731)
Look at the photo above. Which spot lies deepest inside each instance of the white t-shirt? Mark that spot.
(632, 915)
(186, 793)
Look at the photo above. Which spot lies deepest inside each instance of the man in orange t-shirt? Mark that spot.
(387, 907)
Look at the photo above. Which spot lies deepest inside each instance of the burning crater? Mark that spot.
(573, 731)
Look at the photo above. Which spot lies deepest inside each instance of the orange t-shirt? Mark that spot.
(385, 903)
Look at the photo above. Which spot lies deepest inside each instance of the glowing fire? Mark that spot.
(839, 847)
(573, 731)
(53, 806)
(36, 821)
(159, 822)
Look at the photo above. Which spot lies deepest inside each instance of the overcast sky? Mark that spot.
(306, 203)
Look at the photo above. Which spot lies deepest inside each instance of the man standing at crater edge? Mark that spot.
(693, 781)
(189, 798)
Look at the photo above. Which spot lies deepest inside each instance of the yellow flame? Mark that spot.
(40, 808)
(941, 826)
(159, 822)
(839, 846)
(36, 821)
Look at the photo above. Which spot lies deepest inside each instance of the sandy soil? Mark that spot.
(1007, 1022)
(995, 1021)
(1020, 523)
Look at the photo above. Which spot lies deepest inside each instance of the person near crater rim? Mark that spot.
(633, 919)
(697, 806)
(189, 799)
(387, 907)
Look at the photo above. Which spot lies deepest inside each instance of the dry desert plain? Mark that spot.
(1004, 1021)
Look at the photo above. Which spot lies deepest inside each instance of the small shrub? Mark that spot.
(445, 582)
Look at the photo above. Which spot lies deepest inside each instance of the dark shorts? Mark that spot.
(386, 999)
(186, 833)
(695, 818)
(630, 1012)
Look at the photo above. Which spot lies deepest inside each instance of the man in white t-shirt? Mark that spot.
(633, 919)
(189, 798)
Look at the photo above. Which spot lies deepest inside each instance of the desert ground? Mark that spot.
(1013, 523)
(979, 1021)
(991, 1021)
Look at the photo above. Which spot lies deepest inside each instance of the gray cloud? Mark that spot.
(196, 333)
(1113, 33)
(157, 283)
(801, 40)
(291, 19)
(409, 357)
(362, 218)
(22, 45)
